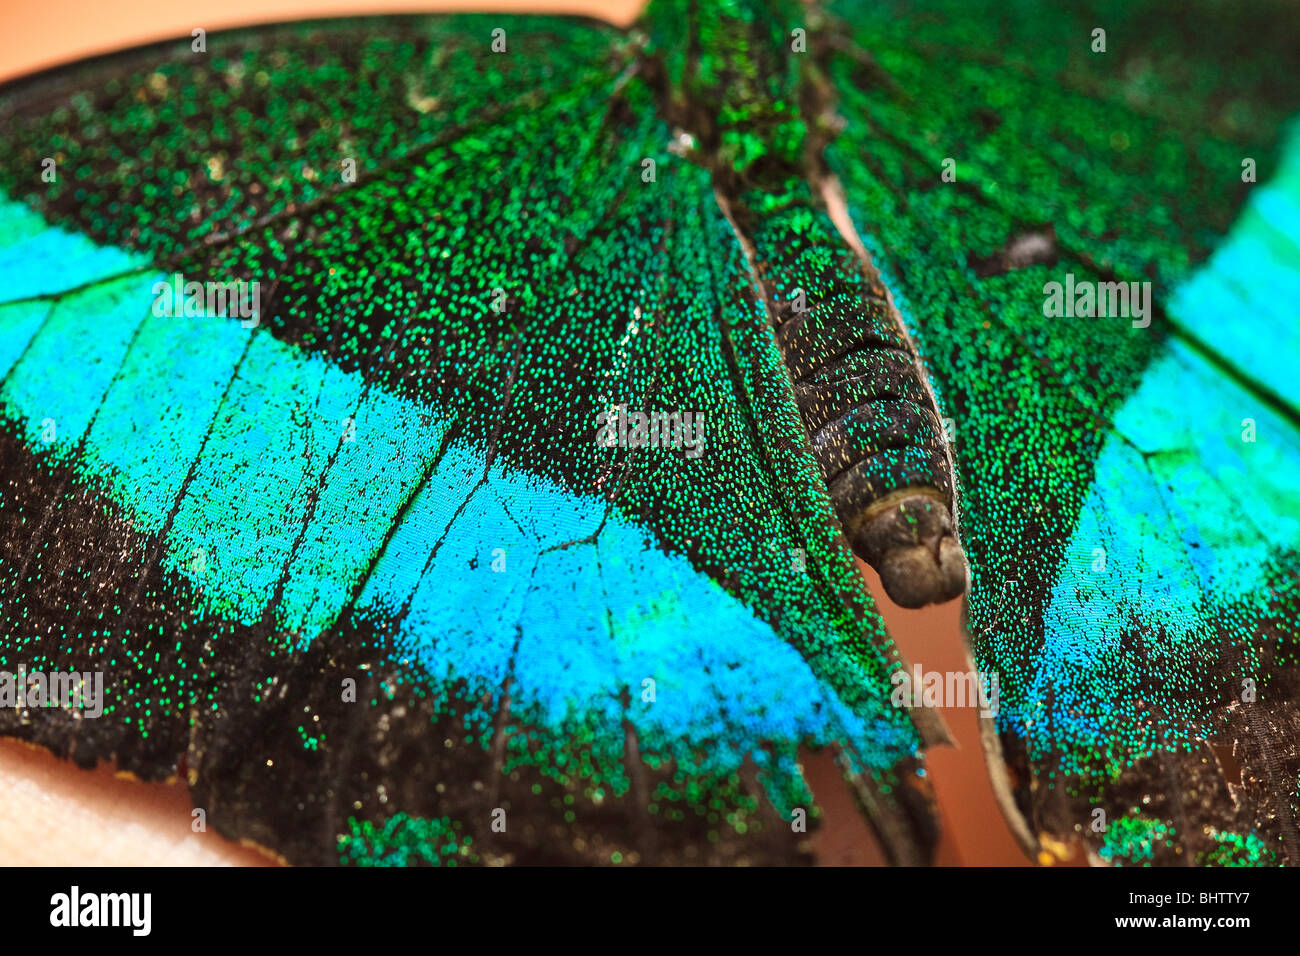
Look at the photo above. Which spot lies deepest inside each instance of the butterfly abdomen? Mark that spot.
(870, 417)
(871, 420)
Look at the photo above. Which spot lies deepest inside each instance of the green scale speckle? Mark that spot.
(462, 254)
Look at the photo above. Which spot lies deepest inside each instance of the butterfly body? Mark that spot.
(758, 107)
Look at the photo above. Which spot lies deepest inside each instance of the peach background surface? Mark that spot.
(36, 35)
(62, 810)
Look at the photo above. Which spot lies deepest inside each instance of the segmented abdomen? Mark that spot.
(871, 419)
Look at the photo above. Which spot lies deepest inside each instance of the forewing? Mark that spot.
(356, 562)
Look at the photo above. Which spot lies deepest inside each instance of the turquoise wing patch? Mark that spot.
(1128, 475)
(357, 556)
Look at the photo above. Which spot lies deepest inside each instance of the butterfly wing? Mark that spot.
(376, 552)
(1128, 481)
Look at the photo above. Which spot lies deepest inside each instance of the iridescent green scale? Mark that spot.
(517, 523)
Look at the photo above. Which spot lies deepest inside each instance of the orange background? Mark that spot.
(35, 34)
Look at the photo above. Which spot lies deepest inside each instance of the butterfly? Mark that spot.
(446, 439)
